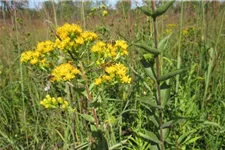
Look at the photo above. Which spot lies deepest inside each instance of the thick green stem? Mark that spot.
(158, 82)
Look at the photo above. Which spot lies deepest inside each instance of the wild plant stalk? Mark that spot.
(54, 12)
(212, 61)
(158, 82)
(21, 74)
(178, 52)
(82, 14)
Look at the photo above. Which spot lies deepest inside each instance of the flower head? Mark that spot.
(64, 72)
(104, 13)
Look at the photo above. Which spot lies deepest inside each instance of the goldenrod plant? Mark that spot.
(65, 60)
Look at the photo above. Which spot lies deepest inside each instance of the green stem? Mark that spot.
(158, 82)
(178, 52)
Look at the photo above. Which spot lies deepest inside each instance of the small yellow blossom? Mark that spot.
(26, 56)
(52, 102)
(45, 47)
(79, 41)
(99, 47)
(89, 36)
(68, 30)
(60, 100)
(125, 79)
(123, 46)
(98, 81)
(64, 72)
(184, 32)
(34, 61)
(104, 13)
(113, 73)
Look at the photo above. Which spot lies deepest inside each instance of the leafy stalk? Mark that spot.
(158, 82)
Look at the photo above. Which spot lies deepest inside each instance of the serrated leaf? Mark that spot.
(150, 136)
(88, 118)
(147, 48)
(172, 74)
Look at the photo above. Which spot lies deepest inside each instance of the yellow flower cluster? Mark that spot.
(71, 36)
(170, 28)
(38, 55)
(45, 47)
(68, 30)
(116, 72)
(190, 31)
(64, 72)
(52, 102)
(111, 50)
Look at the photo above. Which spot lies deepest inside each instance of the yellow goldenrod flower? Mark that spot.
(52, 102)
(79, 41)
(45, 47)
(64, 72)
(106, 78)
(26, 56)
(34, 61)
(60, 100)
(116, 72)
(68, 30)
(123, 46)
(110, 69)
(99, 47)
(104, 13)
(89, 36)
(184, 32)
(98, 81)
(125, 79)
(171, 25)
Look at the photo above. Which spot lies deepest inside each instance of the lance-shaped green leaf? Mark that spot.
(149, 68)
(185, 136)
(165, 92)
(172, 74)
(148, 49)
(88, 117)
(171, 123)
(166, 132)
(146, 12)
(150, 136)
(150, 102)
(162, 9)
